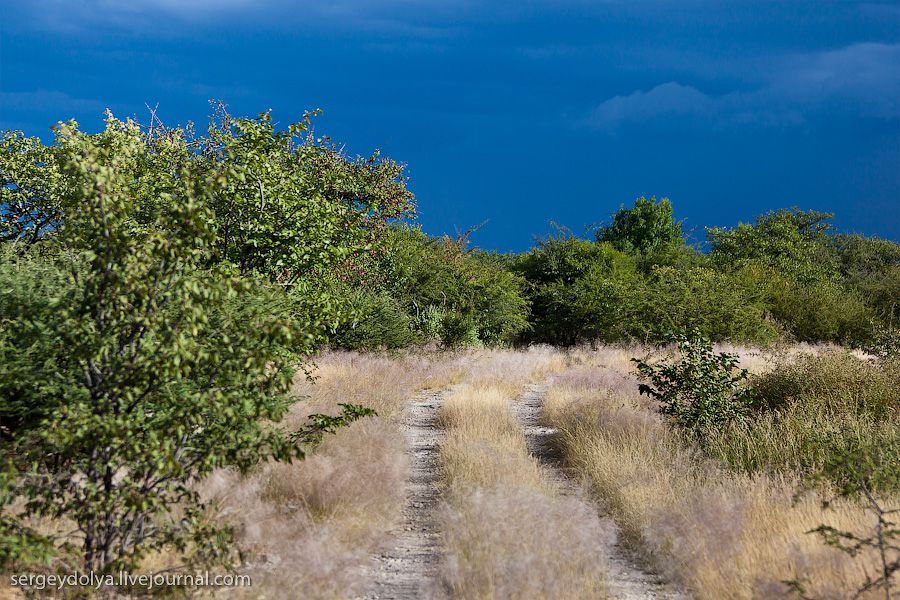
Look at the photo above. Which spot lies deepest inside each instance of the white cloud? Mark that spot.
(668, 99)
(860, 79)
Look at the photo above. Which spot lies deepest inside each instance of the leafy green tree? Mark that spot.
(790, 241)
(28, 174)
(156, 385)
(146, 359)
(580, 291)
(290, 208)
(645, 227)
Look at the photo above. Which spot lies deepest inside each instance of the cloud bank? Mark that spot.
(862, 79)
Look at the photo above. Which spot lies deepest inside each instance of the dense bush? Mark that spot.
(584, 291)
(380, 322)
(31, 339)
(720, 306)
(784, 277)
(447, 292)
(579, 290)
(812, 412)
(872, 267)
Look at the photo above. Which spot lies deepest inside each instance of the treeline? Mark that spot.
(788, 276)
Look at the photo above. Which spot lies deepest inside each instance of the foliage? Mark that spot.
(579, 290)
(583, 291)
(872, 267)
(701, 391)
(30, 339)
(451, 292)
(147, 337)
(28, 173)
(18, 544)
(643, 228)
(859, 257)
(318, 424)
(790, 241)
(784, 277)
(721, 306)
(268, 179)
(458, 330)
(380, 323)
(884, 343)
(819, 311)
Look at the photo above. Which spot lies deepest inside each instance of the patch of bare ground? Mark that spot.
(626, 579)
(409, 568)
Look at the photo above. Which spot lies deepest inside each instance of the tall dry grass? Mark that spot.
(308, 529)
(510, 370)
(717, 533)
(509, 531)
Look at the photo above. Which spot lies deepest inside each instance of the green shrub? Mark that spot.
(381, 323)
(703, 390)
(583, 291)
(458, 330)
(820, 311)
(31, 340)
(871, 266)
(721, 306)
(580, 291)
(421, 272)
(429, 322)
(884, 343)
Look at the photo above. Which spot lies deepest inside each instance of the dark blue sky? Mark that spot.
(513, 112)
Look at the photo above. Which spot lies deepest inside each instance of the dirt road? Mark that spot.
(409, 569)
(626, 580)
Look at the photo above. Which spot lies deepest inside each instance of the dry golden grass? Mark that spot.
(509, 533)
(379, 381)
(311, 525)
(483, 445)
(309, 528)
(719, 534)
(510, 370)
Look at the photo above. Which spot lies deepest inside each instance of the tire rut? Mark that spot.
(626, 579)
(409, 569)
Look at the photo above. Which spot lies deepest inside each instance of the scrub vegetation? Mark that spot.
(209, 343)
